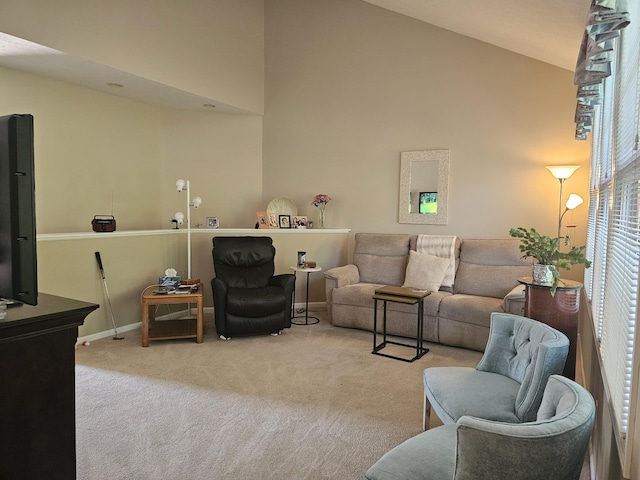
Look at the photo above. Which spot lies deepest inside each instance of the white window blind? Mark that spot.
(613, 231)
(626, 98)
(596, 249)
(619, 302)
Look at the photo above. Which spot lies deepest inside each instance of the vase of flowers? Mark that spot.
(321, 201)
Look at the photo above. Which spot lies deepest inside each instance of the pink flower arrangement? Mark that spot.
(320, 200)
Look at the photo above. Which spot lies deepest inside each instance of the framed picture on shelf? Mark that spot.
(285, 221)
(212, 222)
(299, 221)
(272, 218)
(262, 219)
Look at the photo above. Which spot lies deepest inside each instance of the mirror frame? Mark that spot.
(406, 159)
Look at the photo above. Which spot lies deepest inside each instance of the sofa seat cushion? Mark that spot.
(494, 395)
(361, 295)
(358, 294)
(256, 302)
(470, 309)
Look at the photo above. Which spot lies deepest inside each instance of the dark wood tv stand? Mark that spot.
(37, 378)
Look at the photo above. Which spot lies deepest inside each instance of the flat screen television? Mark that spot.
(18, 267)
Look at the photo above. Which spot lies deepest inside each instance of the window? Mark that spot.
(613, 232)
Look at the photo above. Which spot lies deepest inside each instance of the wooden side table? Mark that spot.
(153, 329)
(407, 296)
(559, 311)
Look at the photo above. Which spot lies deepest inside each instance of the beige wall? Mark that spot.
(221, 156)
(328, 248)
(349, 86)
(91, 147)
(132, 261)
(211, 48)
(68, 268)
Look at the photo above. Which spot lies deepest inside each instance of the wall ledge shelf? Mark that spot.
(44, 237)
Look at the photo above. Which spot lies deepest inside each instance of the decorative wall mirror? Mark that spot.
(424, 187)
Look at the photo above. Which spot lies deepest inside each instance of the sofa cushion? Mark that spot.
(470, 309)
(413, 245)
(361, 295)
(490, 268)
(381, 257)
(425, 272)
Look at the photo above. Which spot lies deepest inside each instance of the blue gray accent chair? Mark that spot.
(551, 447)
(508, 383)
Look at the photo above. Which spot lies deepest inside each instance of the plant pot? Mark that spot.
(543, 274)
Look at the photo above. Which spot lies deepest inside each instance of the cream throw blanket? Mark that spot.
(440, 246)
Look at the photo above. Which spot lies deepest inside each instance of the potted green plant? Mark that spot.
(549, 259)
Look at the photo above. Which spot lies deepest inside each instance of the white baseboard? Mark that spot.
(313, 307)
(109, 333)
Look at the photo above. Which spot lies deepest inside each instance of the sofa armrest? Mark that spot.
(342, 276)
(339, 277)
(513, 301)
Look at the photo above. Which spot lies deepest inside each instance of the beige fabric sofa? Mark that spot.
(485, 281)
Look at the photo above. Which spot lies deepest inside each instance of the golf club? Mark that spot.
(106, 291)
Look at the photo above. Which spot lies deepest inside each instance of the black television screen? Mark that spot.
(18, 268)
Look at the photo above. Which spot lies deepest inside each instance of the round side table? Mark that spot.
(559, 312)
(308, 320)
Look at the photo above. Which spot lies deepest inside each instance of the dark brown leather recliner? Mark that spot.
(248, 298)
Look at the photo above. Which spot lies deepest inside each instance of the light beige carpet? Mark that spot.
(312, 403)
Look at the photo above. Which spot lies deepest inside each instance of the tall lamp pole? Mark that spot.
(182, 185)
(562, 172)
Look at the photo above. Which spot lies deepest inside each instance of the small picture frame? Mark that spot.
(273, 220)
(299, 221)
(284, 221)
(212, 222)
(262, 219)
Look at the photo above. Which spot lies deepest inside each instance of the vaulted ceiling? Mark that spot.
(547, 30)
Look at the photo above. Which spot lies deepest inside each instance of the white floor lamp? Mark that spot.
(562, 172)
(182, 186)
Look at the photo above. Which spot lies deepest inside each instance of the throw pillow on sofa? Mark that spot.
(425, 272)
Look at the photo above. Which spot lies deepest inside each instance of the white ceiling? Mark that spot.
(23, 55)
(547, 30)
